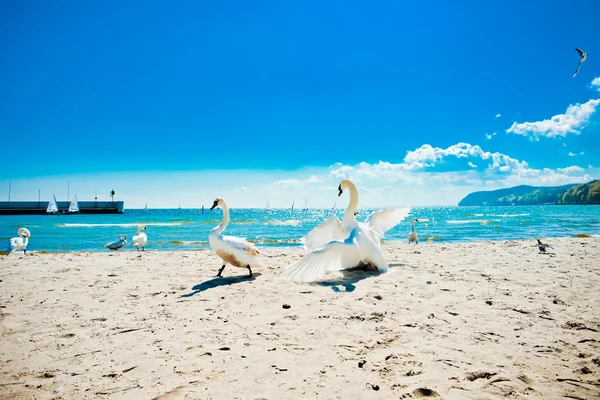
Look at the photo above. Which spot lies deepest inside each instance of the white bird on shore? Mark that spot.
(19, 243)
(412, 236)
(140, 239)
(235, 251)
(581, 61)
(543, 247)
(117, 244)
(336, 245)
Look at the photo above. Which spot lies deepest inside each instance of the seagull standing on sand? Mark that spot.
(581, 61)
(543, 247)
(117, 244)
(19, 243)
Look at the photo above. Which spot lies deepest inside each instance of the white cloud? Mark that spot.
(569, 170)
(571, 154)
(572, 121)
(428, 156)
(564, 144)
(297, 182)
(489, 136)
(596, 83)
(498, 115)
(425, 171)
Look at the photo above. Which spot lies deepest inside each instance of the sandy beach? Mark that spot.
(484, 320)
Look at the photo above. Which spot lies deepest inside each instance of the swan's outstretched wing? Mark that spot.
(384, 220)
(330, 229)
(579, 51)
(333, 256)
(240, 244)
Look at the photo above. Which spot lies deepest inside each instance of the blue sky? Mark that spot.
(420, 103)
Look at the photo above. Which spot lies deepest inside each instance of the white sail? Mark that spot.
(74, 206)
(292, 205)
(52, 208)
(268, 206)
(306, 204)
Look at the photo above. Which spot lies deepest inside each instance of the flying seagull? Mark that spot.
(581, 61)
(543, 247)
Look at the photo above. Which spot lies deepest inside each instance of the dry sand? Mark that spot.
(482, 320)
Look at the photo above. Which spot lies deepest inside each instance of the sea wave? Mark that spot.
(472, 221)
(274, 241)
(509, 215)
(186, 242)
(129, 225)
(291, 222)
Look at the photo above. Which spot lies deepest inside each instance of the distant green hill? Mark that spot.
(585, 193)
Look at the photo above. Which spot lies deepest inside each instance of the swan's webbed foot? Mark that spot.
(249, 270)
(220, 271)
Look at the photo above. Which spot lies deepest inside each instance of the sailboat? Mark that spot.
(268, 206)
(74, 206)
(333, 206)
(306, 204)
(52, 207)
(292, 205)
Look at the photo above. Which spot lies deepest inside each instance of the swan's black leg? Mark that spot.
(249, 270)
(137, 248)
(221, 270)
(416, 241)
(143, 248)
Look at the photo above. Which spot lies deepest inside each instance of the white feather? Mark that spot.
(336, 255)
(384, 220)
(330, 229)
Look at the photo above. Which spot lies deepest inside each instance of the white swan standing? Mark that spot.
(235, 251)
(141, 238)
(117, 244)
(19, 243)
(335, 245)
(412, 236)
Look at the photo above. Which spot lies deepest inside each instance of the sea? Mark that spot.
(188, 229)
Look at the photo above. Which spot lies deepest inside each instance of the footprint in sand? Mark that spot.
(424, 392)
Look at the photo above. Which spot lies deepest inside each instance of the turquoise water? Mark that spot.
(188, 229)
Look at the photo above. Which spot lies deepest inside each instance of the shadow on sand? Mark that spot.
(221, 281)
(346, 283)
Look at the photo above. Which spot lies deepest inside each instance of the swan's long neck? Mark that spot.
(139, 229)
(413, 225)
(225, 221)
(353, 204)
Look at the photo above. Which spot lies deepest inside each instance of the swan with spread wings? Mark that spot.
(336, 245)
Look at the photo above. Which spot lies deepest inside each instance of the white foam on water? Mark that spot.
(131, 225)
